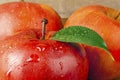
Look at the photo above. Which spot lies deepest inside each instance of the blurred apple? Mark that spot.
(19, 16)
(105, 21)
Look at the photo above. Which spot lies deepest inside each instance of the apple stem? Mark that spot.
(44, 22)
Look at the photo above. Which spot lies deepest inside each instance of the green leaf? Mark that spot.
(80, 34)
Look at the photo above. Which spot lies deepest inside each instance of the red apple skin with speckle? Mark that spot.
(25, 57)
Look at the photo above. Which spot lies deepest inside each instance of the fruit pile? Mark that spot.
(35, 45)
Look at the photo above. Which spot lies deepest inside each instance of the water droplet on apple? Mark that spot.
(102, 33)
(40, 49)
(12, 10)
(43, 49)
(10, 47)
(33, 58)
(61, 65)
(62, 75)
(56, 48)
(8, 73)
(1, 51)
(60, 47)
(18, 24)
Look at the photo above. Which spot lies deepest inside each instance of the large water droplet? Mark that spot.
(33, 58)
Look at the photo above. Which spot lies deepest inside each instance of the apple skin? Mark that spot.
(25, 57)
(101, 65)
(105, 21)
(19, 16)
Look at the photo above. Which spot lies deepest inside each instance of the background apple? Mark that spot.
(105, 21)
(19, 16)
(25, 57)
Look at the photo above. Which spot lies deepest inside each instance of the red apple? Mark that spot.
(25, 57)
(19, 16)
(105, 21)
